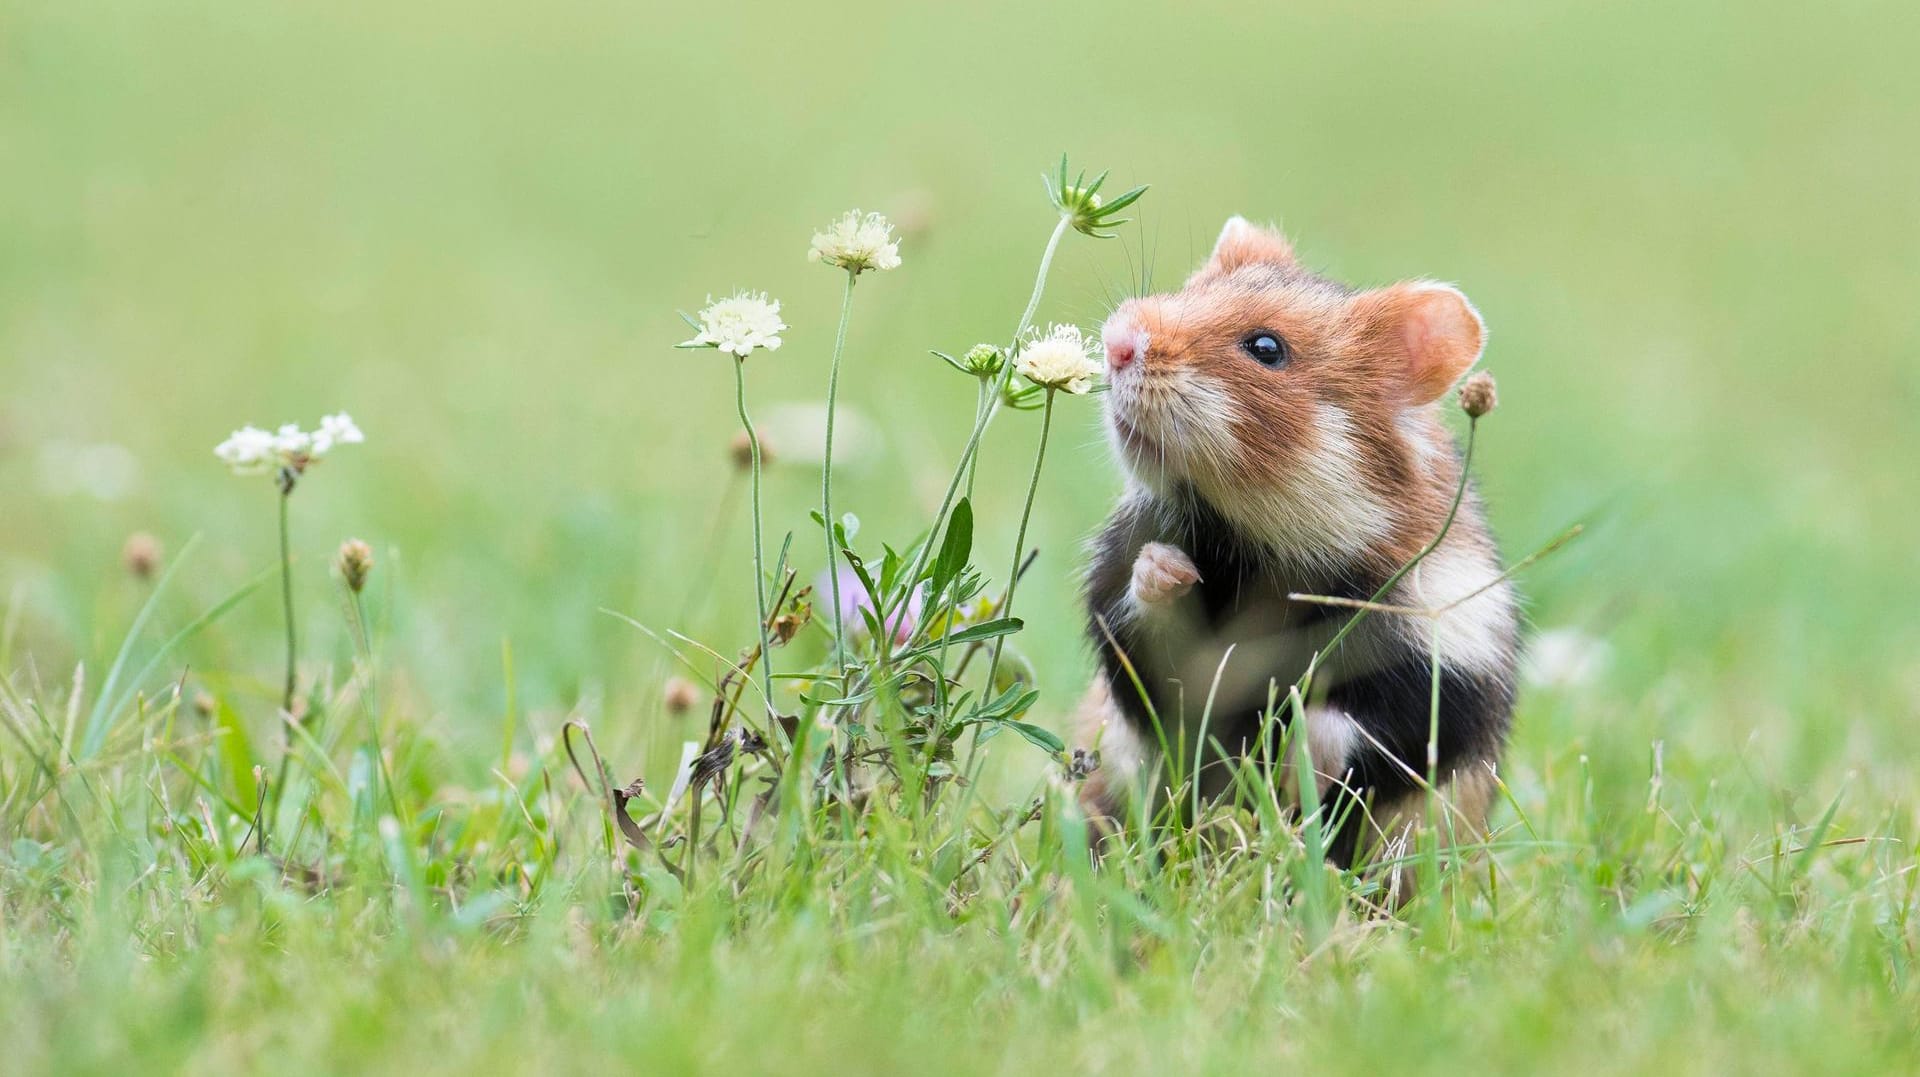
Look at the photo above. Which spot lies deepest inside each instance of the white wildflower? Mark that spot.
(250, 451)
(1566, 658)
(253, 451)
(291, 442)
(1061, 358)
(857, 242)
(336, 430)
(740, 323)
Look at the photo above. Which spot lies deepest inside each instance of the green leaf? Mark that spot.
(1004, 626)
(873, 621)
(107, 708)
(1123, 201)
(1014, 701)
(848, 701)
(1044, 738)
(859, 566)
(955, 548)
(236, 753)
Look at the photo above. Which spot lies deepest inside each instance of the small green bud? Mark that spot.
(984, 360)
(1079, 201)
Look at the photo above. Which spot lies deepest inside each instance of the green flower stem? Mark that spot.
(826, 477)
(1020, 540)
(286, 698)
(372, 701)
(759, 557)
(1020, 330)
(983, 416)
(1039, 285)
(286, 598)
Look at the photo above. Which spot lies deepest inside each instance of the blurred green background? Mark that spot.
(1694, 231)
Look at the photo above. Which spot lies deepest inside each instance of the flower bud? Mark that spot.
(1081, 204)
(984, 360)
(680, 695)
(356, 563)
(741, 450)
(1477, 397)
(141, 555)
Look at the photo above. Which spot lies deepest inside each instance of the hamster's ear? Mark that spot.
(1243, 243)
(1430, 328)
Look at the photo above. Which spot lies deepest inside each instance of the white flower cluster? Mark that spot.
(1061, 358)
(740, 323)
(856, 242)
(253, 451)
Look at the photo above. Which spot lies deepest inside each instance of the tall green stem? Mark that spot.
(759, 557)
(286, 598)
(826, 478)
(278, 788)
(1020, 330)
(983, 416)
(1020, 540)
(375, 741)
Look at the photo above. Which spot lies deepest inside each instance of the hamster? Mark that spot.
(1279, 433)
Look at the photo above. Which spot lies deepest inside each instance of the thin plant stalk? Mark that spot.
(826, 477)
(1305, 683)
(1020, 539)
(286, 598)
(964, 470)
(293, 649)
(1020, 330)
(364, 637)
(759, 557)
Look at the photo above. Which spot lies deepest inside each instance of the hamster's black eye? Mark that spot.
(1266, 347)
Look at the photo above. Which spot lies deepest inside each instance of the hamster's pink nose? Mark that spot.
(1125, 344)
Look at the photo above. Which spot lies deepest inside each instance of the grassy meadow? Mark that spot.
(1694, 231)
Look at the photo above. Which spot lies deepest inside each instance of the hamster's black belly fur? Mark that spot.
(1379, 677)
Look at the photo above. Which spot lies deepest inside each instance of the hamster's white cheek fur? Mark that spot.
(1189, 419)
(1476, 635)
(1321, 510)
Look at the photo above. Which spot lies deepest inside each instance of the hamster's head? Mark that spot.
(1269, 390)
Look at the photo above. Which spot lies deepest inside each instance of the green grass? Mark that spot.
(1692, 233)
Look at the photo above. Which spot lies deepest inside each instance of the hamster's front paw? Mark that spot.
(1161, 574)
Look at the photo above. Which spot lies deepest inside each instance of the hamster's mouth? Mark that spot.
(1132, 437)
(1144, 452)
